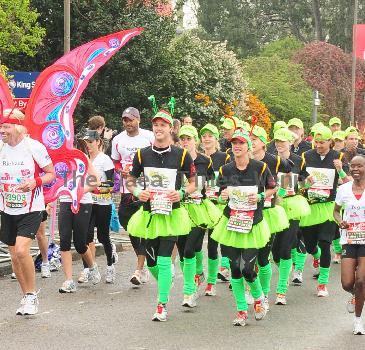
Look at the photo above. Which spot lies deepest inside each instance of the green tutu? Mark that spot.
(257, 238)
(204, 214)
(175, 224)
(295, 207)
(276, 219)
(320, 213)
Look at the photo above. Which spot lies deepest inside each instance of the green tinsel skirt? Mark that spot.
(296, 207)
(204, 214)
(276, 219)
(320, 213)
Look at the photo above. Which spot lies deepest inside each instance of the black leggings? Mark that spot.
(264, 253)
(187, 245)
(283, 242)
(159, 246)
(138, 244)
(242, 263)
(100, 218)
(74, 226)
(212, 247)
(321, 235)
(299, 242)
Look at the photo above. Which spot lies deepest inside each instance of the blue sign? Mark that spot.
(22, 83)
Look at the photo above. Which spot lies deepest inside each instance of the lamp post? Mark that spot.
(316, 104)
(66, 25)
(353, 89)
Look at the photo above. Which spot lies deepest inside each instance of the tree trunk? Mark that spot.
(317, 19)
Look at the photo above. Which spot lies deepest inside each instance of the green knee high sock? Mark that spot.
(294, 255)
(199, 262)
(212, 271)
(189, 275)
(300, 261)
(318, 254)
(238, 289)
(284, 273)
(154, 271)
(164, 278)
(337, 247)
(225, 262)
(265, 273)
(324, 275)
(255, 288)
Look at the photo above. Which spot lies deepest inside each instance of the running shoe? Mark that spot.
(68, 287)
(115, 254)
(189, 301)
(358, 327)
(259, 309)
(161, 313)
(210, 290)
(45, 270)
(31, 304)
(280, 299)
(95, 276)
(266, 303)
(110, 274)
(241, 319)
(223, 274)
(297, 279)
(322, 290)
(337, 258)
(315, 268)
(13, 276)
(145, 275)
(20, 310)
(84, 276)
(136, 278)
(350, 305)
(249, 298)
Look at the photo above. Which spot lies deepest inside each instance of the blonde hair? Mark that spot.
(19, 115)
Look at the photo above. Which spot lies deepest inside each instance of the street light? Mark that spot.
(353, 90)
(316, 104)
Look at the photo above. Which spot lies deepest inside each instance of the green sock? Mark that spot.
(189, 275)
(212, 270)
(294, 255)
(284, 273)
(164, 278)
(154, 271)
(300, 261)
(265, 273)
(181, 265)
(318, 254)
(199, 262)
(337, 247)
(238, 289)
(225, 262)
(255, 288)
(324, 275)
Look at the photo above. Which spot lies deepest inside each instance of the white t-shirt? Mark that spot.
(17, 164)
(125, 147)
(102, 163)
(353, 214)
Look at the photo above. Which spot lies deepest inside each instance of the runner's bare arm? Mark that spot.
(338, 216)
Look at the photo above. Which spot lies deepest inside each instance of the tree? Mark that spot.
(283, 48)
(20, 31)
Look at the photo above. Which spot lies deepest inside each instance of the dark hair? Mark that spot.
(80, 144)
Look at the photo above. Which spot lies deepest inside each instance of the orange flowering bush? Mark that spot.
(256, 108)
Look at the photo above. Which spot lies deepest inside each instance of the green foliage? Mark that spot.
(284, 48)
(20, 32)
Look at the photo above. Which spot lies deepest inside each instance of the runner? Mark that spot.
(22, 159)
(335, 124)
(271, 145)
(161, 219)
(300, 145)
(124, 147)
(242, 228)
(350, 198)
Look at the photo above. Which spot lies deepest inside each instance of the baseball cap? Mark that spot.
(260, 132)
(91, 135)
(210, 128)
(295, 122)
(242, 136)
(165, 116)
(323, 133)
(131, 113)
(279, 125)
(334, 120)
(339, 135)
(283, 134)
(189, 130)
(351, 130)
(315, 127)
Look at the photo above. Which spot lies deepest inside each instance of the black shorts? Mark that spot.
(353, 251)
(127, 207)
(44, 216)
(23, 225)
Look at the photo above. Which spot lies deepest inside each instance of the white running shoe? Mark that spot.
(322, 291)
(136, 278)
(259, 309)
(13, 276)
(280, 299)
(45, 270)
(223, 274)
(249, 298)
(161, 313)
(68, 287)
(210, 290)
(110, 274)
(95, 276)
(297, 279)
(350, 305)
(358, 327)
(266, 303)
(145, 275)
(115, 254)
(241, 319)
(189, 301)
(31, 304)
(20, 310)
(84, 276)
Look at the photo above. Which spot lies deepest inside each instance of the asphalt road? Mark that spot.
(119, 317)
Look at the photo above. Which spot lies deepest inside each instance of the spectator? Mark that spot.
(187, 120)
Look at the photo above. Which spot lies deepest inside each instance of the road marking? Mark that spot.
(113, 293)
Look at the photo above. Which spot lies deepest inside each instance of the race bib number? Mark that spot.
(318, 194)
(238, 197)
(160, 203)
(356, 233)
(323, 183)
(288, 182)
(240, 221)
(101, 197)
